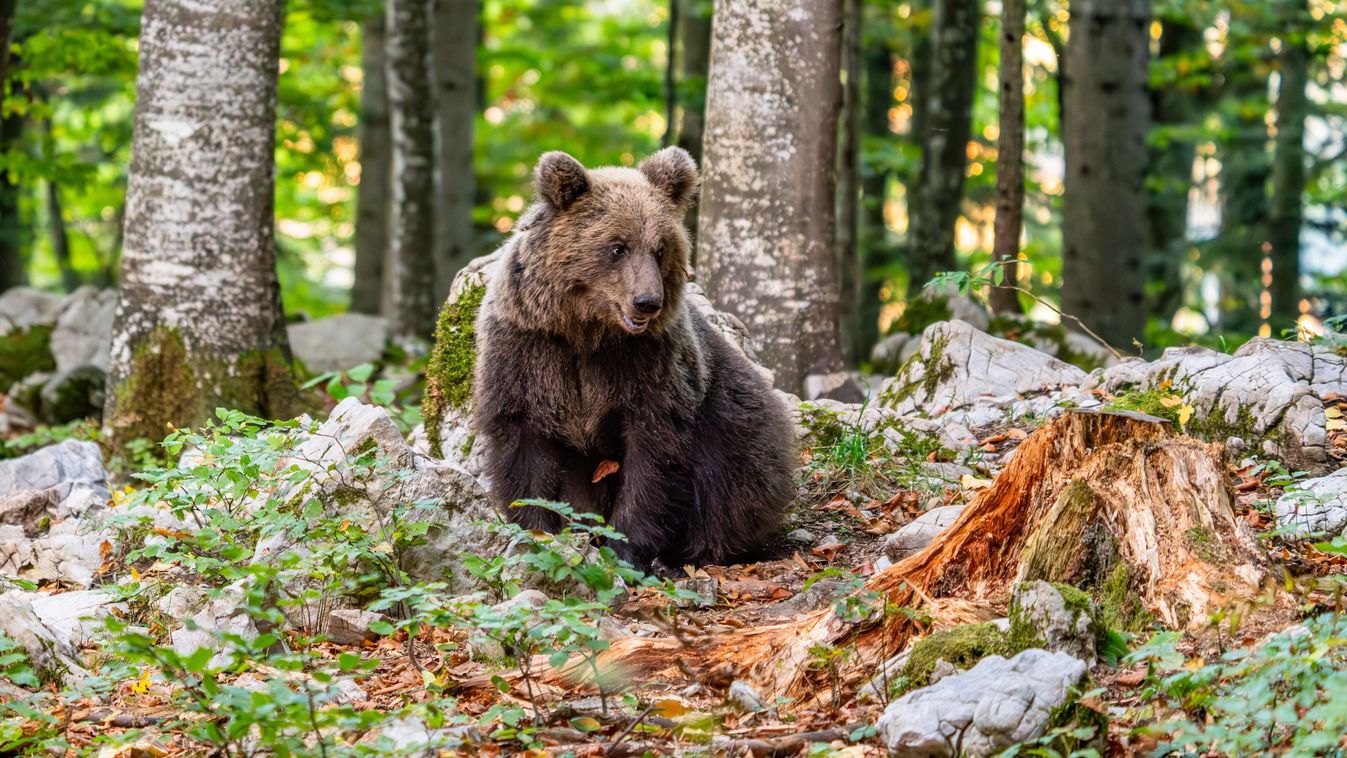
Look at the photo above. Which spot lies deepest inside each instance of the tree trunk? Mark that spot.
(1289, 176)
(199, 322)
(768, 212)
(371, 224)
(693, 55)
(848, 185)
(1106, 116)
(934, 205)
(412, 123)
(1171, 174)
(60, 239)
(455, 48)
(1010, 157)
(1116, 504)
(8, 8)
(876, 253)
(13, 272)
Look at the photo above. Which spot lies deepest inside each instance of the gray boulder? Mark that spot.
(339, 342)
(50, 628)
(1315, 506)
(1040, 612)
(67, 468)
(83, 333)
(25, 307)
(921, 531)
(982, 711)
(73, 393)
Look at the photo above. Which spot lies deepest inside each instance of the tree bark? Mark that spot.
(455, 51)
(1289, 176)
(848, 185)
(693, 55)
(767, 224)
(199, 322)
(877, 254)
(13, 271)
(371, 224)
(1010, 157)
(60, 238)
(934, 205)
(412, 124)
(1105, 119)
(1171, 174)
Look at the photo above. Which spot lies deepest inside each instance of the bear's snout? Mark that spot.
(648, 305)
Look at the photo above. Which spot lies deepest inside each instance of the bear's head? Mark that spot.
(604, 251)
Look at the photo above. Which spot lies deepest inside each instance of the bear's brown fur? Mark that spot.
(587, 354)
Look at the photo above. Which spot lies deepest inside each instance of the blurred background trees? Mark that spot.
(1183, 174)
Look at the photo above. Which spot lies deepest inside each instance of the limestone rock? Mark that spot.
(351, 626)
(68, 468)
(50, 642)
(1040, 612)
(918, 534)
(984, 710)
(24, 307)
(958, 368)
(1269, 393)
(83, 333)
(72, 393)
(1316, 506)
(340, 342)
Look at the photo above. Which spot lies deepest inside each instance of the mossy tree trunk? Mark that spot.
(1010, 157)
(411, 106)
(199, 322)
(1115, 504)
(371, 222)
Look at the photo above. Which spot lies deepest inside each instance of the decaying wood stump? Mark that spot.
(1109, 502)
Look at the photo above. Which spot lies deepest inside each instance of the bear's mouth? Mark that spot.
(634, 325)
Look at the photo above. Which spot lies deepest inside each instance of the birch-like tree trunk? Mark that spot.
(1105, 119)
(1010, 157)
(456, 25)
(1289, 175)
(411, 108)
(199, 322)
(767, 219)
(947, 123)
(371, 222)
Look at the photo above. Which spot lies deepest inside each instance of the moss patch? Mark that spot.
(1119, 606)
(936, 370)
(961, 646)
(23, 352)
(168, 387)
(1149, 402)
(452, 361)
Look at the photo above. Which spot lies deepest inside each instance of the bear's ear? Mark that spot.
(559, 179)
(673, 172)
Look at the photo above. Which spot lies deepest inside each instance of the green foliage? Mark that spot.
(360, 382)
(1281, 697)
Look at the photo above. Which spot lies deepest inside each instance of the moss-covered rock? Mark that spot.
(1152, 402)
(960, 646)
(452, 362)
(25, 351)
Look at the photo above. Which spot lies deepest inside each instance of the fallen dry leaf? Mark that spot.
(604, 469)
(1016, 433)
(1131, 678)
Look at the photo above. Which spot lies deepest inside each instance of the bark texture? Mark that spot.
(1116, 504)
(848, 184)
(767, 219)
(1010, 156)
(692, 53)
(411, 108)
(1289, 175)
(456, 24)
(199, 320)
(946, 122)
(1170, 175)
(371, 224)
(1105, 119)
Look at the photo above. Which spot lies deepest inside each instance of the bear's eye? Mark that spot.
(617, 249)
(659, 253)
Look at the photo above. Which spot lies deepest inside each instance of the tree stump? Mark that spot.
(1113, 503)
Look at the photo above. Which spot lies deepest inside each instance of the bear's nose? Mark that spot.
(648, 304)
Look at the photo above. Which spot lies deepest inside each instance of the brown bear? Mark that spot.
(587, 354)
